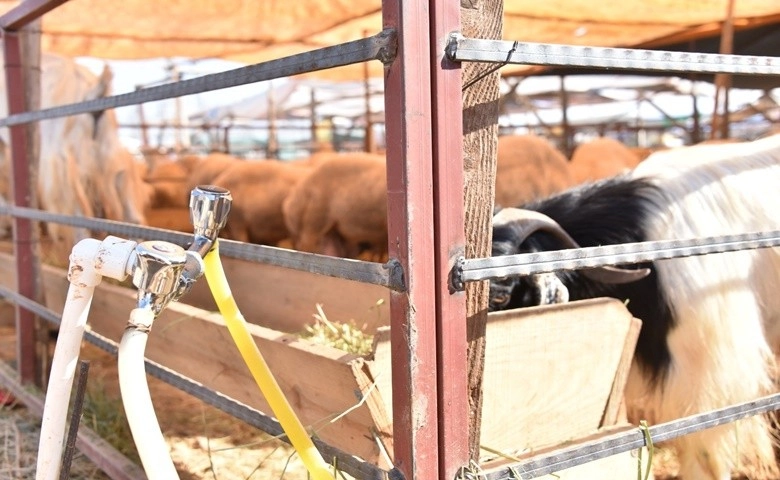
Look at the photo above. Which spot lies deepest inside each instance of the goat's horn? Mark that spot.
(528, 222)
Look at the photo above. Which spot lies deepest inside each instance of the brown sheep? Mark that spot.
(168, 178)
(258, 189)
(204, 170)
(340, 208)
(529, 167)
(601, 158)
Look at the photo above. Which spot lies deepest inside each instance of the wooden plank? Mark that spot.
(481, 92)
(614, 411)
(285, 300)
(557, 363)
(319, 382)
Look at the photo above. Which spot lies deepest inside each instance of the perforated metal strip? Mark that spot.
(461, 49)
(530, 263)
(627, 441)
(381, 46)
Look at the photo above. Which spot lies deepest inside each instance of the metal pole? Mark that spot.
(142, 122)
(410, 238)
(449, 235)
(369, 144)
(566, 143)
(720, 123)
(22, 70)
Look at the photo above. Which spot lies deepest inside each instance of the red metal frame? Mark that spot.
(26, 12)
(26, 281)
(425, 230)
(411, 240)
(449, 220)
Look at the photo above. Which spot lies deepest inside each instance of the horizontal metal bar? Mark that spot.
(381, 46)
(26, 12)
(470, 270)
(388, 274)
(346, 462)
(627, 441)
(462, 49)
(31, 305)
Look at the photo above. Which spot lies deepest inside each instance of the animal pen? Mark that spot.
(433, 280)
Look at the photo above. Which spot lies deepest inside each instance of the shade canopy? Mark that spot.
(253, 31)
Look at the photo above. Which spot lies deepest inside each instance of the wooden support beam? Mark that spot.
(480, 19)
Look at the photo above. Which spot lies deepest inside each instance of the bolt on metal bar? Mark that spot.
(461, 49)
(381, 46)
(388, 274)
(629, 440)
(346, 462)
(469, 270)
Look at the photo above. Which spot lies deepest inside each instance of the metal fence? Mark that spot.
(399, 275)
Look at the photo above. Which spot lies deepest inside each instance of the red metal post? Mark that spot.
(27, 11)
(410, 236)
(23, 229)
(448, 185)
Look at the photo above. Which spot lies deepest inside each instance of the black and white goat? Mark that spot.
(711, 322)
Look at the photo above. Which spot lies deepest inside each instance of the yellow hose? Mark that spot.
(215, 276)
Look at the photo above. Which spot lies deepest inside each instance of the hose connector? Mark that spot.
(159, 266)
(209, 209)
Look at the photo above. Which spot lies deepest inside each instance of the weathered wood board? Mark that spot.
(553, 374)
(319, 382)
(285, 300)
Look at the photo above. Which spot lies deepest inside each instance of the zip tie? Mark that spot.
(649, 442)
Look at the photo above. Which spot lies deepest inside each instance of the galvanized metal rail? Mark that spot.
(469, 270)
(460, 49)
(625, 441)
(381, 46)
(346, 462)
(388, 274)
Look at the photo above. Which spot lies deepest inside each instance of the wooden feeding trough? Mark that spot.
(553, 375)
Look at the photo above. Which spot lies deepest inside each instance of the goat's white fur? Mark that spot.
(727, 306)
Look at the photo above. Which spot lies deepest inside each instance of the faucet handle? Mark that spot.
(209, 209)
(159, 266)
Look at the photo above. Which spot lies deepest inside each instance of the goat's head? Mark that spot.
(525, 231)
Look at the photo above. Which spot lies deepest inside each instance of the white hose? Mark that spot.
(83, 280)
(137, 400)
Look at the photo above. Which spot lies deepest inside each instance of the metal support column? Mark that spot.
(410, 239)
(450, 241)
(29, 364)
